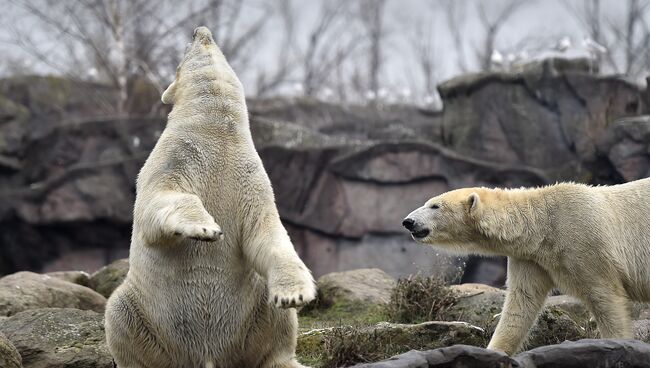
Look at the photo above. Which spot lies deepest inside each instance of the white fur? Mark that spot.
(591, 242)
(210, 260)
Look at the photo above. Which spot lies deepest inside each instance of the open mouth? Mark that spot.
(419, 234)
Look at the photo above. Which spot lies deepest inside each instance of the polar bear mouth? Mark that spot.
(419, 234)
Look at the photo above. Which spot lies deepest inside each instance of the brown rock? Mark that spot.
(368, 285)
(59, 337)
(27, 290)
(109, 277)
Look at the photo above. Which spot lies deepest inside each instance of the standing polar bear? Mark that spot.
(200, 292)
(591, 242)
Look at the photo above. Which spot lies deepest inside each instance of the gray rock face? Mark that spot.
(579, 354)
(454, 356)
(76, 277)
(9, 356)
(367, 285)
(109, 277)
(59, 338)
(27, 290)
(502, 117)
(588, 353)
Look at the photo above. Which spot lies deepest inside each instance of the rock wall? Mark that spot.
(344, 176)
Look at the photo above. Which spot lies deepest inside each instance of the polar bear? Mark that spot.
(213, 277)
(591, 242)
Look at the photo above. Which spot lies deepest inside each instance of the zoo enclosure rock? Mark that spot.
(9, 356)
(454, 356)
(59, 338)
(27, 290)
(366, 285)
(579, 354)
(109, 277)
(70, 167)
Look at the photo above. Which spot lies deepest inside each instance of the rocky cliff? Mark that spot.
(344, 176)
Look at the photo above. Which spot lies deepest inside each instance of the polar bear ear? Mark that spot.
(473, 201)
(169, 95)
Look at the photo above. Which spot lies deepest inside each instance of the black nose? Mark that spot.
(408, 223)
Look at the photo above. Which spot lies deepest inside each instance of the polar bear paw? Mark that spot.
(204, 232)
(292, 290)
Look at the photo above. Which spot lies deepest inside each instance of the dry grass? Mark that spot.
(419, 299)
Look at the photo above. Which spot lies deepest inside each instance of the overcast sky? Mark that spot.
(542, 22)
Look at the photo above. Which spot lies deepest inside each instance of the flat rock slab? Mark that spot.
(588, 353)
(9, 356)
(59, 338)
(464, 356)
(27, 290)
(592, 353)
(109, 277)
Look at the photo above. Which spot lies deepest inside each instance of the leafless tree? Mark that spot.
(423, 46)
(118, 41)
(371, 14)
(626, 37)
(492, 24)
(455, 14)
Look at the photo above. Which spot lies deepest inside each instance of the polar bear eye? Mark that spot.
(435, 206)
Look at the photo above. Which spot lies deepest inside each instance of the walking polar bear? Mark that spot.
(200, 292)
(591, 242)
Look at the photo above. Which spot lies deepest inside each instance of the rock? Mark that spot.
(76, 277)
(587, 353)
(109, 277)
(477, 304)
(627, 145)
(571, 305)
(342, 346)
(366, 285)
(27, 290)
(501, 117)
(454, 356)
(9, 356)
(563, 319)
(579, 354)
(642, 330)
(59, 337)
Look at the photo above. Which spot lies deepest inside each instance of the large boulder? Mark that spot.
(9, 356)
(109, 277)
(454, 356)
(27, 290)
(502, 117)
(59, 338)
(370, 285)
(477, 304)
(587, 353)
(579, 354)
(76, 277)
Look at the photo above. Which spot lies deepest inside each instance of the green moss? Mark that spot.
(342, 312)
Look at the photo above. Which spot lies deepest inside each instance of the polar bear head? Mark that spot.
(202, 65)
(466, 220)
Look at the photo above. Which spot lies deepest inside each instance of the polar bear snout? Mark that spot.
(203, 34)
(417, 230)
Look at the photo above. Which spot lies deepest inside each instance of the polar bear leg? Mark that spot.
(528, 286)
(610, 307)
(174, 214)
(272, 255)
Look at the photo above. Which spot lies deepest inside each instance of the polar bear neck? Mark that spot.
(514, 217)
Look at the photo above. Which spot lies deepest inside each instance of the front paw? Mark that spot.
(208, 231)
(291, 291)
